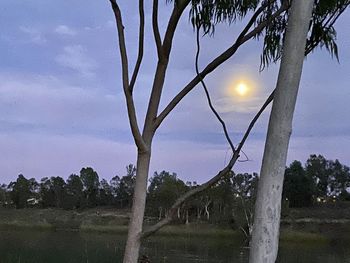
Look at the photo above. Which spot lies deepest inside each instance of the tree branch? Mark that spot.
(156, 28)
(208, 95)
(149, 231)
(125, 79)
(161, 69)
(141, 43)
(228, 53)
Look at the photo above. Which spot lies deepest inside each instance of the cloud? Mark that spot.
(48, 105)
(74, 57)
(65, 30)
(34, 34)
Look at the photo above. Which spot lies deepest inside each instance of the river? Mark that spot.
(73, 247)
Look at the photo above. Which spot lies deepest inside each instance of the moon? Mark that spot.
(242, 89)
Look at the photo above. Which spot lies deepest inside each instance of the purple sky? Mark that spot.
(62, 107)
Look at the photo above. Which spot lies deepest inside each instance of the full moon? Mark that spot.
(242, 89)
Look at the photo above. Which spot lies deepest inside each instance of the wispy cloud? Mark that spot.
(65, 30)
(34, 34)
(51, 105)
(75, 57)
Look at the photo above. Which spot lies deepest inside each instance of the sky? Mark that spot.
(62, 106)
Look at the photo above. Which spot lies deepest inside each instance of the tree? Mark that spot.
(265, 235)
(20, 191)
(317, 168)
(58, 189)
(114, 183)
(244, 190)
(268, 19)
(339, 179)
(163, 190)
(3, 195)
(298, 187)
(46, 193)
(74, 186)
(105, 193)
(90, 183)
(126, 186)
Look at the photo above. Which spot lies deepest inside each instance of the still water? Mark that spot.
(70, 247)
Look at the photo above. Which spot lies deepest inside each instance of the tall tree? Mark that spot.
(105, 193)
(91, 182)
(163, 190)
(264, 245)
(339, 179)
(3, 195)
(268, 19)
(74, 192)
(126, 187)
(317, 167)
(20, 191)
(298, 187)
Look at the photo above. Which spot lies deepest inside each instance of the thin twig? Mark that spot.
(227, 136)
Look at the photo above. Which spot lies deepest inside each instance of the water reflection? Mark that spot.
(52, 247)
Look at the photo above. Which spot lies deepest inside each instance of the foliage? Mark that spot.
(20, 191)
(206, 14)
(299, 187)
(230, 201)
(91, 183)
(163, 190)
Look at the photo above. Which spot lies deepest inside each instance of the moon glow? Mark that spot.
(242, 89)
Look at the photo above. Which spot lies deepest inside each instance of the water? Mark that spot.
(69, 247)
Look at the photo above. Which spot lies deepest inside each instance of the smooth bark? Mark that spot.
(264, 245)
(132, 247)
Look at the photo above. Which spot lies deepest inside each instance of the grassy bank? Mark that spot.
(116, 221)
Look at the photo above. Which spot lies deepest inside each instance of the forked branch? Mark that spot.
(125, 78)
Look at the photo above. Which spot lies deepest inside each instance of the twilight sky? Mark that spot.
(62, 106)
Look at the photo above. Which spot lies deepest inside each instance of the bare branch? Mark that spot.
(173, 21)
(228, 53)
(161, 69)
(125, 76)
(208, 95)
(141, 43)
(213, 180)
(156, 28)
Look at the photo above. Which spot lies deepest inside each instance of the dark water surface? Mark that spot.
(65, 247)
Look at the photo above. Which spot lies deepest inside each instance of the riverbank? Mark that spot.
(293, 227)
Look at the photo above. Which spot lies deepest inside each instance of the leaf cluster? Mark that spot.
(206, 14)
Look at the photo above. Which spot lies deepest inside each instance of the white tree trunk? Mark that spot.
(207, 210)
(132, 247)
(264, 245)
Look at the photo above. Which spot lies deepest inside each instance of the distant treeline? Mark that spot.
(318, 181)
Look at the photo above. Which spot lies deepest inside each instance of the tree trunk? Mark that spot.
(160, 213)
(187, 221)
(132, 248)
(207, 210)
(264, 246)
